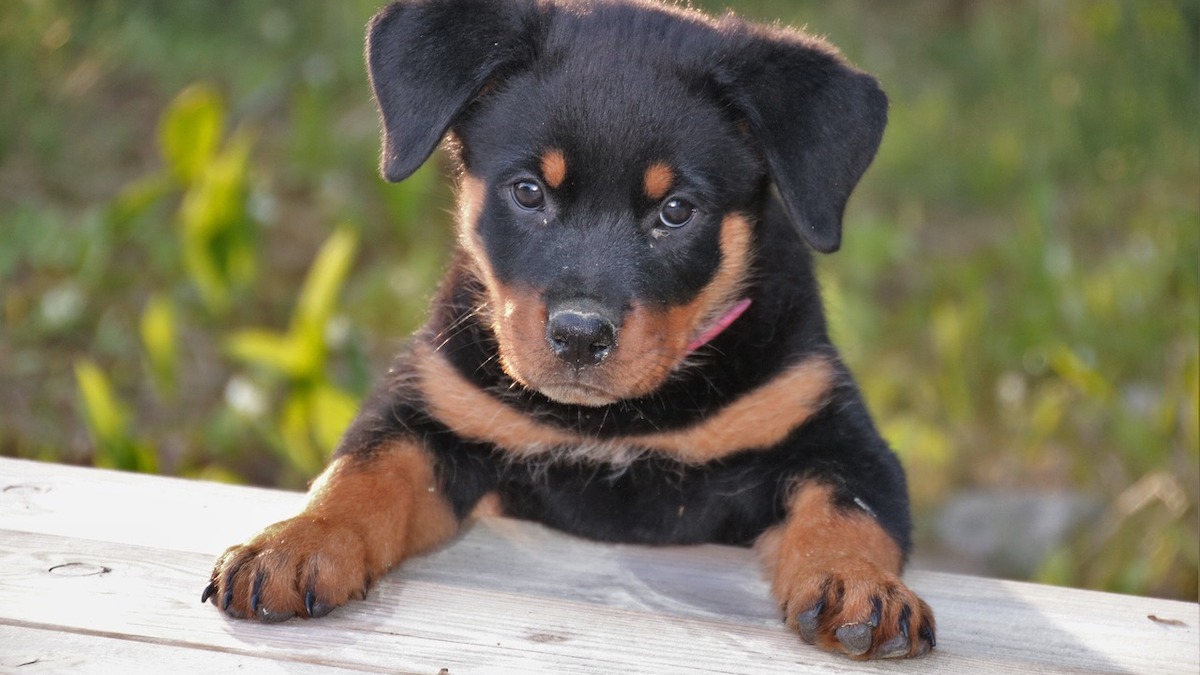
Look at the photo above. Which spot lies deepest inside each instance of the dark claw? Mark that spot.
(315, 608)
(903, 640)
(876, 612)
(927, 635)
(809, 622)
(209, 591)
(320, 609)
(855, 637)
(227, 582)
(905, 616)
(922, 649)
(260, 611)
(255, 590)
(895, 648)
(227, 597)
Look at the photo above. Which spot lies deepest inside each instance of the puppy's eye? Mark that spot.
(528, 195)
(676, 212)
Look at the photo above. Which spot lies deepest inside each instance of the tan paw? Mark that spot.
(305, 566)
(856, 608)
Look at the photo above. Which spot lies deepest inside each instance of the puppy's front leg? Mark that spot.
(835, 571)
(367, 512)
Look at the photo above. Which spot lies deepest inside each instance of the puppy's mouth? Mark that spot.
(633, 371)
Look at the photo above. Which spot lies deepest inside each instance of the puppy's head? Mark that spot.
(615, 159)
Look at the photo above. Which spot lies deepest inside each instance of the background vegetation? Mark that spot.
(200, 269)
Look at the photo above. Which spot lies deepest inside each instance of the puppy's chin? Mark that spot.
(577, 394)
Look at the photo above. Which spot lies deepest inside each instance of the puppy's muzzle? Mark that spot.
(580, 334)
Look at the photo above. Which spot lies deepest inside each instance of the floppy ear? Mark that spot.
(819, 122)
(428, 60)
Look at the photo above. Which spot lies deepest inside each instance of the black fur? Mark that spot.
(629, 344)
(738, 109)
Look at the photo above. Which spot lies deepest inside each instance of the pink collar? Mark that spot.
(719, 325)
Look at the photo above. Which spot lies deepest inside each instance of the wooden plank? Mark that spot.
(510, 595)
(206, 518)
(409, 625)
(31, 651)
(195, 516)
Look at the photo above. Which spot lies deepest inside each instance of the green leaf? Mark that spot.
(323, 284)
(268, 349)
(105, 416)
(1079, 374)
(189, 131)
(137, 197)
(331, 413)
(296, 434)
(311, 423)
(145, 460)
(108, 423)
(217, 230)
(300, 353)
(160, 338)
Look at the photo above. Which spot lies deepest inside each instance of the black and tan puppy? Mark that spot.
(629, 345)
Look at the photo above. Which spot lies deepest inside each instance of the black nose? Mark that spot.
(580, 338)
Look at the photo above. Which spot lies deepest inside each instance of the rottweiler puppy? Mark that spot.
(629, 344)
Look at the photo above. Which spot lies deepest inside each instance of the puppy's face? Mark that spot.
(610, 224)
(615, 157)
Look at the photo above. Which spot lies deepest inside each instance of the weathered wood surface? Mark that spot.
(102, 572)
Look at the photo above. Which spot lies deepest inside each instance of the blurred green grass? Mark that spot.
(1018, 290)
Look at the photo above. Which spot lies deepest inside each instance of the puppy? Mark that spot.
(629, 344)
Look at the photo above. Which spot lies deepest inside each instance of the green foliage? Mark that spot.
(160, 338)
(315, 411)
(299, 354)
(108, 423)
(189, 132)
(217, 230)
(1018, 292)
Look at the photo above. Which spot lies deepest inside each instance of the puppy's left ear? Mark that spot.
(819, 121)
(429, 59)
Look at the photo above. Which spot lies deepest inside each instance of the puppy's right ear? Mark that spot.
(427, 61)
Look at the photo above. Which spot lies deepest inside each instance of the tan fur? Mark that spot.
(488, 506)
(471, 193)
(554, 167)
(364, 515)
(761, 418)
(758, 419)
(846, 558)
(657, 180)
(414, 519)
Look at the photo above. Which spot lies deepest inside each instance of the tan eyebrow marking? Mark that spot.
(554, 167)
(657, 180)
